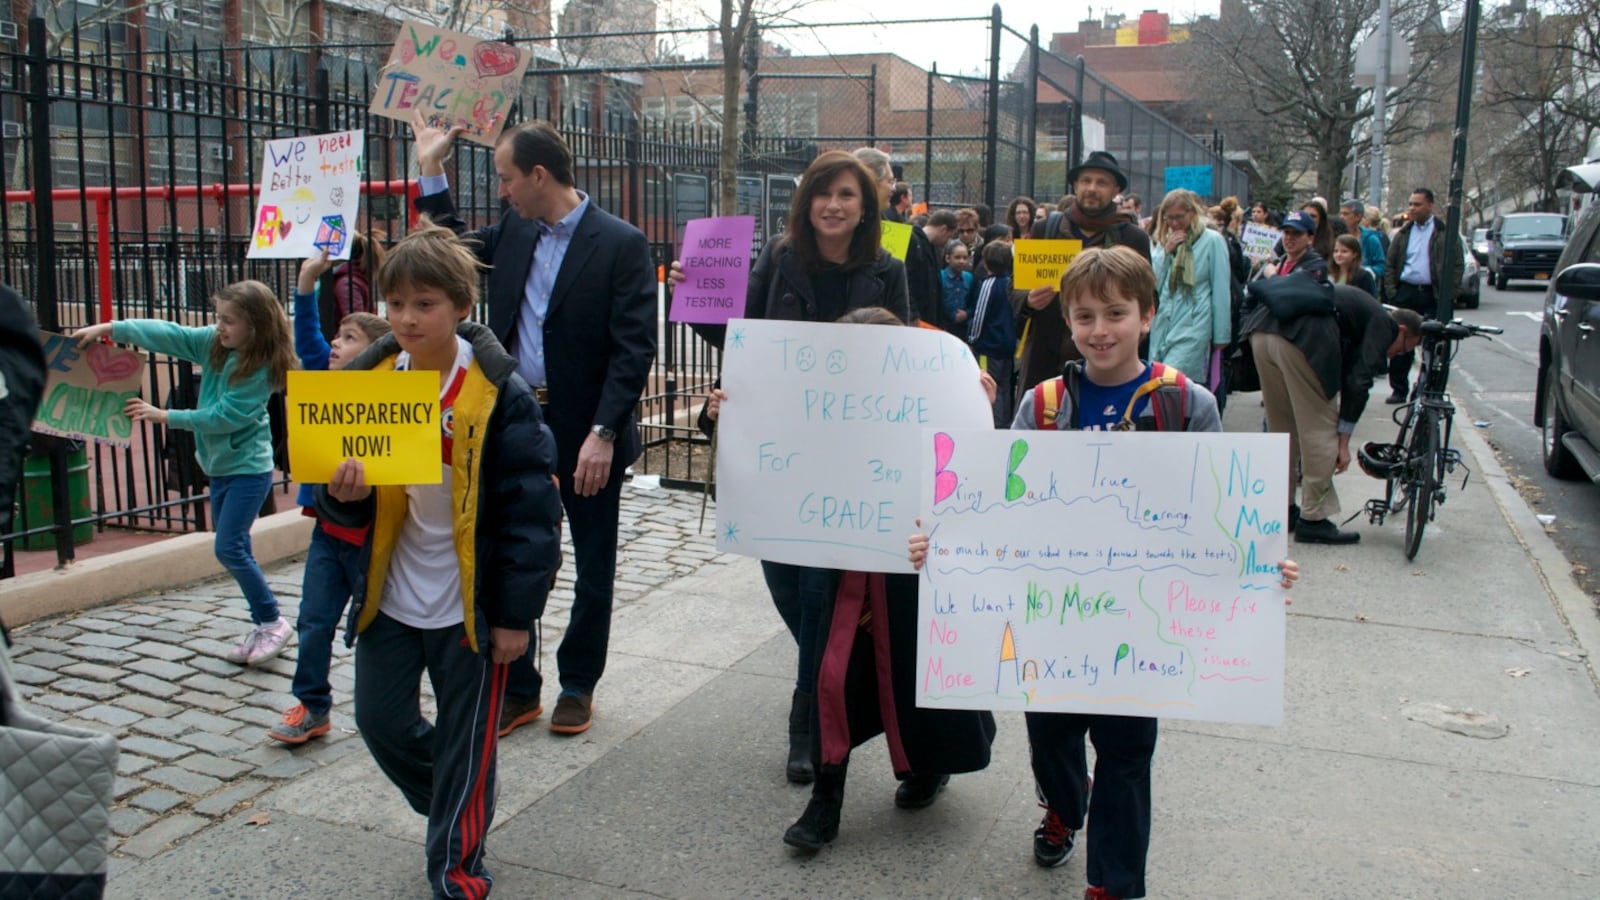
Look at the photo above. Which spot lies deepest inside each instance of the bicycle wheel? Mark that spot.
(1422, 473)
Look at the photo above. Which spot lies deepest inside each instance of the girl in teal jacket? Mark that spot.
(243, 359)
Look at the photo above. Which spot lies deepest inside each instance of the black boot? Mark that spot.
(919, 791)
(799, 769)
(819, 824)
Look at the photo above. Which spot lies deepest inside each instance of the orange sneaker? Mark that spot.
(299, 726)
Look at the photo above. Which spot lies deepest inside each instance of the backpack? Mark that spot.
(1168, 408)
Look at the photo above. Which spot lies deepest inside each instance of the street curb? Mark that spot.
(165, 564)
(1552, 567)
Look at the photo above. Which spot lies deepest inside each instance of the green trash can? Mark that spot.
(38, 500)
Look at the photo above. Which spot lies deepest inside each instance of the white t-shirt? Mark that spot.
(423, 587)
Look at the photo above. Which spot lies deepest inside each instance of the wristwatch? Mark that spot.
(604, 433)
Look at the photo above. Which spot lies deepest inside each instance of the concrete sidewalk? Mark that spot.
(1439, 736)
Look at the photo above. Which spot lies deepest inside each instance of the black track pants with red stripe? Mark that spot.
(445, 769)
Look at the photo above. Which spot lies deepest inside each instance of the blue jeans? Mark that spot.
(235, 502)
(797, 592)
(333, 567)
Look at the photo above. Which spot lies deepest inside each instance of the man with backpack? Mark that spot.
(1093, 218)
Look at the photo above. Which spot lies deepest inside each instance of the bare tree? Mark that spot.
(1536, 85)
(1290, 64)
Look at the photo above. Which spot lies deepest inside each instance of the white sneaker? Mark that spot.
(270, 641)
(239, 654)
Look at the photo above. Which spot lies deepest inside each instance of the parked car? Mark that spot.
(1525, 245)
(1480, 245)
(1567, 408)
(1469, 293)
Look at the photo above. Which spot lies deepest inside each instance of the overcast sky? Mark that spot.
(960, 48)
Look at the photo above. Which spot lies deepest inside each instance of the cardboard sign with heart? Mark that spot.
(85, 390)
(455, 79)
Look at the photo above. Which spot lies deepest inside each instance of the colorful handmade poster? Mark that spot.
(85, 390)
(453, 78)
(310, 195)
(1131, 574)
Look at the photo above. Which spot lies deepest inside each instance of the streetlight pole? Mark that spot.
(1380, 102)
(1458, 161)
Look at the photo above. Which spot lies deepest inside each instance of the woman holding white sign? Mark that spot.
(828, 262)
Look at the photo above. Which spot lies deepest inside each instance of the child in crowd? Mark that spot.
(333, 562)
(458, 570)
(243, 359)
(352, 279)
(957, 282)
(1108, 297)
(1346, 267)
(991, 330)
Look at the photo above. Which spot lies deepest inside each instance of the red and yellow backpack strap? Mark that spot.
(1047, 396)
(1168, 408)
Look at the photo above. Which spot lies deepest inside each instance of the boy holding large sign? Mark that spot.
(1108, 298)
(456, 577)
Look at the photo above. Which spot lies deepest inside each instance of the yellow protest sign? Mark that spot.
(1042, 263)
(896, 239)
(388, 420)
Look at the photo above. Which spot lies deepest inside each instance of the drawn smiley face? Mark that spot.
(805, 359)
(836, 362)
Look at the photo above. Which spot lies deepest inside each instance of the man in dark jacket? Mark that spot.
(572, 295)
(1093, 218)
(21, 386)
(1415, 272)
(922, 260)
(1305, 363)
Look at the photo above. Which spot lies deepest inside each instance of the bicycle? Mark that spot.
(1415, 467)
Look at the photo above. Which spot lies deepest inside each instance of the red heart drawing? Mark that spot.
(493, 60)
(283, 228)
(111, 364)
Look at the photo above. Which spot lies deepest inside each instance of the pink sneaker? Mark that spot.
(270, 641)
(238, 655)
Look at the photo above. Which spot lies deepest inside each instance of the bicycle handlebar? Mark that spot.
(1458, 329)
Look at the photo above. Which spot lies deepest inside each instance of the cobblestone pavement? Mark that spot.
(192, 726)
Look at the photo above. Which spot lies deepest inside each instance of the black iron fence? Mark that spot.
(130, 161)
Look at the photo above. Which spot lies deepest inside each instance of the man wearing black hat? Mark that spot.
(1094, 219)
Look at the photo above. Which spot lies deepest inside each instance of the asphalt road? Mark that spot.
(1494, 383)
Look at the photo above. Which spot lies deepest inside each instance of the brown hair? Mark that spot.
(372, 326)
(432, 256)
(1011, 216)
(366, 253)
(870, 315)
(537, 143)
(1099, 269)
(1335, 271)
(867, 242)
(271, 344)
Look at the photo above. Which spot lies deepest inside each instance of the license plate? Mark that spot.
(1541, 276)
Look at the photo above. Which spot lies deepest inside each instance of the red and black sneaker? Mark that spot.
(1052, 840)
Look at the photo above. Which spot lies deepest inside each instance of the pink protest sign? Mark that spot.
(716, 270)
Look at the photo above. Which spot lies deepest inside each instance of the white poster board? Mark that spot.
(310, 194)
(1124, 574)
(1258, 241)
(818, 444)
